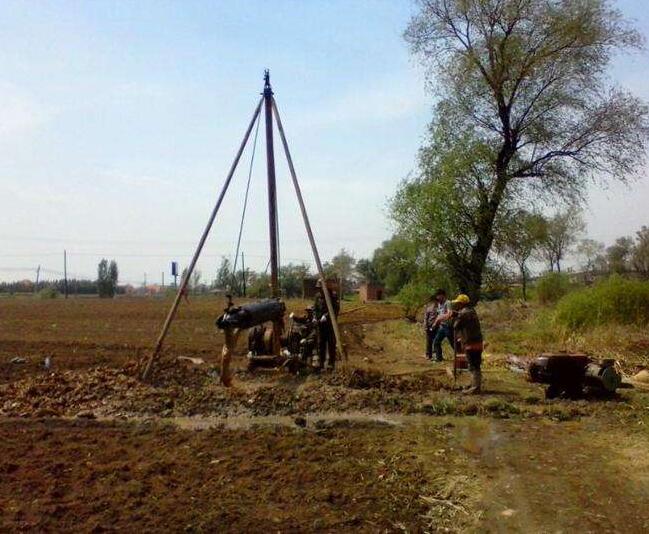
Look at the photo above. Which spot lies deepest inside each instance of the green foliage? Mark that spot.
(341, 267)
(291, 277)
(615, 300)
(413, 296)
(551, 287)
(48, 293)
(224, 275)
(260, 286)
(619, 255)
(107, 274)
(558, 235)
(591, 254)
(525, 114)
(441, 211)
(640, 257)
(367, 271)
(396, 262)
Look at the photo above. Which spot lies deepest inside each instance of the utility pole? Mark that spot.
(163, 279)
(272, 205)
(38, 275)
(243, 274)
(65, 273)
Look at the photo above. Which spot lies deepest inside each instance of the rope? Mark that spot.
(245, 203)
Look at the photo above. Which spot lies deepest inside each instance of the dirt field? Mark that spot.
(384, 444)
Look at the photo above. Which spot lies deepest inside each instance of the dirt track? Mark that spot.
(385, 445)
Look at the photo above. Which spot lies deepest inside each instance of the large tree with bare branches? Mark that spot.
(525, 113)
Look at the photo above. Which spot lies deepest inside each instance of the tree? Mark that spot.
(107, 275)
(223, 275)
(291, 277)
(196, 280)
(113, 274)
(395, 262)
(341, 267)
(242, 281)
(619, 255)
(260, 286)
(521, 236)
(640, 256)
(522, 86)
(367, 271)
(591, 254)
(559, 235)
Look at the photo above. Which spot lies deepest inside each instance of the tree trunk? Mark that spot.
(468, 280)
(485, 236)
(524, 282)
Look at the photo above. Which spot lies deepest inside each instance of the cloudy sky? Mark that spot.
(119, 121)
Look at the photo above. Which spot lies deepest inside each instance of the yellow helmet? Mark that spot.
(462, 299)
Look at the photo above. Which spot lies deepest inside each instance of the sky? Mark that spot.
(120, 120)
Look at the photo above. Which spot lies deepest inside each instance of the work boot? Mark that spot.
(476, 383)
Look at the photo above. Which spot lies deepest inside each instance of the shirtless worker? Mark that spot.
(468, 334)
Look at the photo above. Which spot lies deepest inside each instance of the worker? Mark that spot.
(304, 335)
(468, 334)
(430, 314)
(442, 324)
(307, 318)
(326, 336)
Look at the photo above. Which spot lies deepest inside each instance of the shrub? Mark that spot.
(48, 293)
(612, 301)
(551, 287)
(413, 296)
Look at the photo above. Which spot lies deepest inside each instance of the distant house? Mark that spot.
(309, 288)
(368, 292)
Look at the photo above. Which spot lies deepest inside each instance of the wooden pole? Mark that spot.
(199, 248)
(272, 207)
(307, 225)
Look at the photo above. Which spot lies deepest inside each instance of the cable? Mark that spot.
(245, 201)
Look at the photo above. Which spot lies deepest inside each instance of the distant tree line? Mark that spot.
(106, 284)
(523, 239)
(75, 286)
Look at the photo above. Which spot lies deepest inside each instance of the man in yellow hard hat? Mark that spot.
(467, 332)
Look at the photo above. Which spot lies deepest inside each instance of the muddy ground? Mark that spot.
(387, 443)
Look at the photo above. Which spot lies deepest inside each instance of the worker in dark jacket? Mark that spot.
(326, 335)
(430, 314)
(468, 335)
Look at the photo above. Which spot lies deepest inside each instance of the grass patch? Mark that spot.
(551, 287)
